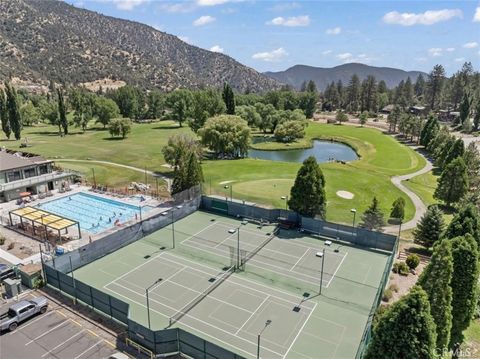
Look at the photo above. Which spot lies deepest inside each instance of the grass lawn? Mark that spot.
(263, 182)
(472, 339)
(112, 176)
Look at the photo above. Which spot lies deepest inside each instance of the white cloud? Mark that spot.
(326, 52)
(185, 39)
(429, 17)
(450, 49)
(271, 56)
(476, 17)
(217, 48)
(470, 45)
(435, 51)
(128, 4)
(182, 7)
(345, 56)
(285, 6)
(293, 21)
(349, 57)
(334, 31)
(204, 20)
(460, 59)
(215, 2)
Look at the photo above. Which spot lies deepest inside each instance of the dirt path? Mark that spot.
(142, 170)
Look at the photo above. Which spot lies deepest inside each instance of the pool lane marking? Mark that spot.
(45, 333)
(192, 327)
(299, 259)
(253, 313)
(62, 343)
(300, 331)
(336, 270)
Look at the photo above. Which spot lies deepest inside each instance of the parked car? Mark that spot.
(21, 311)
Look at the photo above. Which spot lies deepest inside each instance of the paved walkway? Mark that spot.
(142, 170)
(420, 207)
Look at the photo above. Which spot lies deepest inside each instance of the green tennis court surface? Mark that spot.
(280, 283)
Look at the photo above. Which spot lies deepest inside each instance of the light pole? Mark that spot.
(173, 226)
(267, 323)
(322, 255)
(285, 198)
(94, 181)
(148, 304)
(231, 187)
(354, 211)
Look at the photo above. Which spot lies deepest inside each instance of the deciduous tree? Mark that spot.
(453, 183)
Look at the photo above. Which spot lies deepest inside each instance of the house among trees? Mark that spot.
(24, 174)
(387, 109)
(418, 110)
(448, 115)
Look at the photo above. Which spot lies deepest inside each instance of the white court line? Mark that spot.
(135, 268)
(253, 260)
(190, 316)
(243, 279)
(93, 346)
(250, 317)
(31, 322)
(196, 234)
(299, 259)
(301, 330)
(338, 267)
(226, 239)
(48, 331)
(62, 343)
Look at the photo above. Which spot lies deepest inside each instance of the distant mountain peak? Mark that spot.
(297, 74)
(51, 40)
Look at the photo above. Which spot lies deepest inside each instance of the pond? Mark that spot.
(323, 151)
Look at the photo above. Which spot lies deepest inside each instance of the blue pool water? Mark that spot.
(95, 214)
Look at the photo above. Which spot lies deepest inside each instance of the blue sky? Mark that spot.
(274, 35)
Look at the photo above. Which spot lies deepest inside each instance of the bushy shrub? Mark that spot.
(400, 268)
(394, 287)
(387, 295)
(2, 239)
(289, 131)
(412, 261)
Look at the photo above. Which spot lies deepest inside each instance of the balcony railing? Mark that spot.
(27, 182)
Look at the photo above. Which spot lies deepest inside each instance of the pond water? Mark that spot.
(323, 151)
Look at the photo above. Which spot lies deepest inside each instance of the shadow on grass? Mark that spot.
(114, 138)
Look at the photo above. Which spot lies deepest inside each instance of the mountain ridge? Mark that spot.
(52, 40)
(322, 76)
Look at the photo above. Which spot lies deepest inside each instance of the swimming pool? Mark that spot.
(95, 214)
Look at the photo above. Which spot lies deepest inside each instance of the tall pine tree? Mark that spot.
(430, 228)
(307, 196)
(13, 110)
(4, 115)
(466, 221)
(373, 217)
(435, 280)
(229, 99)
(453, 183)
(62, 111)
(405, 330)
(464, 288)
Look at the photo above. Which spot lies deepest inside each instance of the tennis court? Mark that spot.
(193, 286)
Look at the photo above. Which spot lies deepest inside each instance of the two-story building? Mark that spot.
(24, 172)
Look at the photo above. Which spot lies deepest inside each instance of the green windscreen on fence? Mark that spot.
(219, 205)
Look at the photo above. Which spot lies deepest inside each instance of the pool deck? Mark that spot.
(6, 207)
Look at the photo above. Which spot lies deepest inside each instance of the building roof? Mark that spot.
(12, 160)
(44, 218)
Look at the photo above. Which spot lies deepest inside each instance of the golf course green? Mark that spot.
(259, 181)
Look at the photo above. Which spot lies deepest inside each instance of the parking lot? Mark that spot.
(53, 335)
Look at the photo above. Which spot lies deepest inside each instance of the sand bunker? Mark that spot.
(345, 194)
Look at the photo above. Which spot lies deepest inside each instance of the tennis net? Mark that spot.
(252, 253)
(188, 307)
